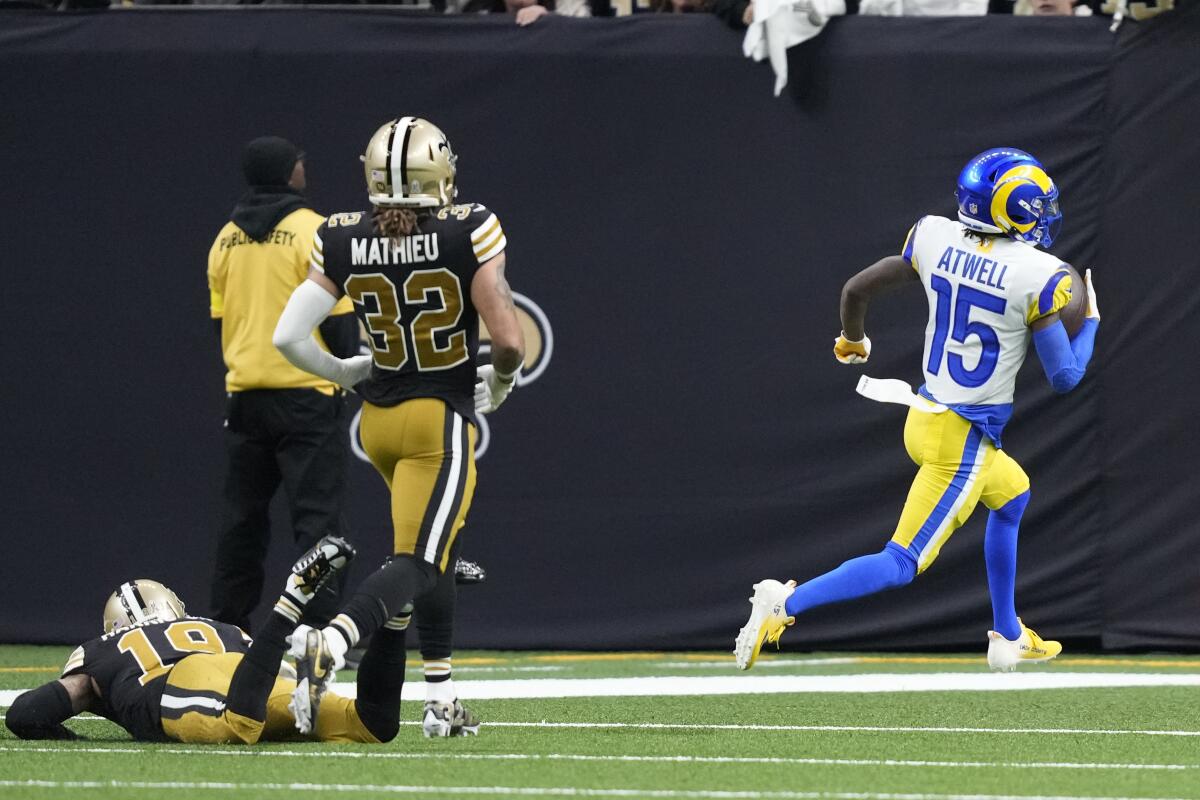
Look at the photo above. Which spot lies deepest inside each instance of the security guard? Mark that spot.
(282, 425)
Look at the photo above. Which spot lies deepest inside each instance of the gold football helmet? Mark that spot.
(409, 163)
(142, 600)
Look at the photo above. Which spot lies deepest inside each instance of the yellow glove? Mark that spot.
(851, 352)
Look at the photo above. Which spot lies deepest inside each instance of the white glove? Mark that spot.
(1093, 310)
(492, 387)
(848, 351)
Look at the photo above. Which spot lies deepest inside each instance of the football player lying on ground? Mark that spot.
(165, 676)
(984, 267)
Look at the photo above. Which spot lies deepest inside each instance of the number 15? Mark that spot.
(968, 298)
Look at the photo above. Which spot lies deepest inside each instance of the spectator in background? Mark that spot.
(528, 11)
(1050, 8)
(923, 8)
(282, 425)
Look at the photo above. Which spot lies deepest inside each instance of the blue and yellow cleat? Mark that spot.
(1004, 655)
(767, 621)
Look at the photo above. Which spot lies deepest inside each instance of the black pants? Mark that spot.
(293, 437)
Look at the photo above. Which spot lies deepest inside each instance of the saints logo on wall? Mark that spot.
(539, 345)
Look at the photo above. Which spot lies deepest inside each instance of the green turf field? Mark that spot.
(1141, 742)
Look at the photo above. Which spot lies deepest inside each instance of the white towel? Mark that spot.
(780, 24)
(892, 390)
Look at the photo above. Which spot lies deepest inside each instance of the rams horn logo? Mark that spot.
(539, 347)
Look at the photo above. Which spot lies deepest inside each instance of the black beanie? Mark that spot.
(269, 161)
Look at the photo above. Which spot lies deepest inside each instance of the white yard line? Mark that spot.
(765, 663)
(840, 728)
(689, 685)
(680, 726)
(528, 791)
(469, 669)
(692, 685)
(322, 754)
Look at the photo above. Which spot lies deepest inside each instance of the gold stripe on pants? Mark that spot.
(425, 451)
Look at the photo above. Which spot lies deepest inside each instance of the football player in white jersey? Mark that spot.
(990, 291)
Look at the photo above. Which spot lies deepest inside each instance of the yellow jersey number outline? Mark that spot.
(388, 336)
(345, 220)
(179, 634)
(461, 213)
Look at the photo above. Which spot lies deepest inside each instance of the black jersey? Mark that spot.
(130, 666)
(413, 296)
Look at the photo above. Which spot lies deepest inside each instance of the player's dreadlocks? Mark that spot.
(981, 237)
(396, 222)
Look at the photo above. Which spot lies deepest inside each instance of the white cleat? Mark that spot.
(448, 719)
(1004, 655)
(314, 672)
(767, 620)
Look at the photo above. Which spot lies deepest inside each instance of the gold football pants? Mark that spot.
(425, 451)
(959, 466)
(193, 708)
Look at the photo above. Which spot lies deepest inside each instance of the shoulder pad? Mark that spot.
(74, 662)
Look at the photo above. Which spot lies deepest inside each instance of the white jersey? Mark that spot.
(983, 296)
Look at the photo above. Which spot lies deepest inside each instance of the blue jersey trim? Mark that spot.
(1046, 298)
(934, 521)
(989, 419)
(907, 253)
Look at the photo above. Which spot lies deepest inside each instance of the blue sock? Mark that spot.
(1000, 552)
(858, 577)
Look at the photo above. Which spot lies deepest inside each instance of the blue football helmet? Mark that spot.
(1006, 190)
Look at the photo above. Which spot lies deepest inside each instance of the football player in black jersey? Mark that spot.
(165, 676)
(421, 271)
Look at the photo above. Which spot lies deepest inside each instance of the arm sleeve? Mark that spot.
(308, 306)
(1065, 360)
(316, 260)
(39, 714)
